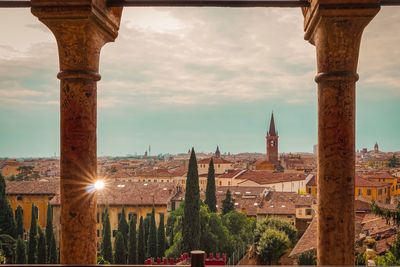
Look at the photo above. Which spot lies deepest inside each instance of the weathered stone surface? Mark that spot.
(81, 28)
(336, 33)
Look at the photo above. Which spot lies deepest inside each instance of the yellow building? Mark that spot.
(367, 189)
(137, 198)
(26, 193)
(384, 177)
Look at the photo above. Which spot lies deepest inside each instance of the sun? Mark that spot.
(99, 185)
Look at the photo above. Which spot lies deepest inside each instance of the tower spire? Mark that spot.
(272, 125)
(217, 153)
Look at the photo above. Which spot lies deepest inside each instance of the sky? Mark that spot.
(177, 78)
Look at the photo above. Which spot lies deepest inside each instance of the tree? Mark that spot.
(53, 256)
(20, 252)
(32, 243)
(19, 217)
(211, 198)
(152, 239)
(123, 227)
(7, 222)
(307, 258)
(278, 224)
(393, 162)
(191, 217)
(42, 248)
(141, 243)
(161, 237)
(106, 246)
(146, 227)
(388, 259)
(228, 204)
(120, 252)
(49, 230)
(132, 244)
(271, 246)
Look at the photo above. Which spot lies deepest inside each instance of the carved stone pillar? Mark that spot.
(81, 28)
(335, 28)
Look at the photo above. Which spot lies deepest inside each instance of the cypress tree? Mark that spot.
(32, 243)
(141, 242)
(132, 244)
(191, 217)
(19, 217)
(227, 204)
(152, 239)
(146, 226)
(123, 227)
(20, 252)
(161, 237)
(120, 252)
(53, 256)
(211, 198)
(42, 248)
(7, 221)
(106, 246)
(49, 229)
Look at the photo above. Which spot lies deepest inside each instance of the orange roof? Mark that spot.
(216, 161)
(268, 177)
(359, 182)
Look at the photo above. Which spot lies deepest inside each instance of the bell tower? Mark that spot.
(272, 142)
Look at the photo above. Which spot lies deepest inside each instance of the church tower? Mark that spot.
(272, 142)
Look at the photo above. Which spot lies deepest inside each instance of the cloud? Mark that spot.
(195, 57)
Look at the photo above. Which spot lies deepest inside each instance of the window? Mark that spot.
(98, 232)
(309, 190)
(379, 191)
(98, 217)
(220, 183)
(19, 198)
(368, 192)
(359, 191)
(300, 212)
(308, 212)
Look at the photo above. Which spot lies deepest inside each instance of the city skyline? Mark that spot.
(177, 78)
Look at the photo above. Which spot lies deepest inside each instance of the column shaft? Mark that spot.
(81, 28)
(336, 33)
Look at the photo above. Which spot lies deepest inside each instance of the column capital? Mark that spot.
(81, 28)
(335, 27)
(360, 11)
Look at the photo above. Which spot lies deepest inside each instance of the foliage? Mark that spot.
(106, 246)
(26, 173)
(49, 229)
(191, 219)
(307, 258)
(240, 226)
(101, 260)
(161, 238)
(146, 227)
(388, 259)
(7, 222)
(152, 239)
(19, 217)
(20, 252)
(42, 248)
(389, 215)
(360, 259)
(278, 224)
(120, 252)
(7, 244)
(123, 227)
(53, 256)
(32, 244)
(228, 204)
(132, 244)
(141, 242)
(272, 245)
(211, 198)
(393, 162)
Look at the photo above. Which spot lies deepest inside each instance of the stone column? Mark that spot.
(81, 28)
(335, 28)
